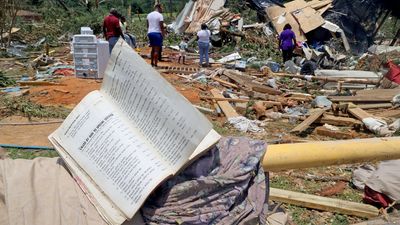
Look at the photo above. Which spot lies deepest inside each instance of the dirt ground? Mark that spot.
(68, 94)
(26, 135)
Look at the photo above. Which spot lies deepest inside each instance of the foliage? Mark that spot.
(6, 81)
(22, 105)
(8, 15)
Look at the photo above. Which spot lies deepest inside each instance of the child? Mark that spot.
(182, 50)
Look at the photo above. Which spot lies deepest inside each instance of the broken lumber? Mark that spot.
(323, 203)
(225, 83)
(307, 122)
(323, 131)
(247, 82)
(327, 153)
(360, 98)
(226, 108)
(357, 112)
(339, 121)
(375, 106)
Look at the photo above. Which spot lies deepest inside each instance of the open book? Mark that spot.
(121, 142)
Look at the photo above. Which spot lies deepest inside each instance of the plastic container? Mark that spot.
(84, 38)
(86, 30)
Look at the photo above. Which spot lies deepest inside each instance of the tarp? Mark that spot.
(358, 19)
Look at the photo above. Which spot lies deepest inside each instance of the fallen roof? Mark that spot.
(301, 15)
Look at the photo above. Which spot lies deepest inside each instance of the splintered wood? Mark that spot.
(307, 122)
(226, 108)
(323, 203)
(248, 83)
(339, 121)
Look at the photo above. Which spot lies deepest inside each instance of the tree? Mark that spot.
(8, 15)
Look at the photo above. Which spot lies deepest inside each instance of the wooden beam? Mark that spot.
(360, 98)
(333, 133)
(248, 82)
(375, 106)
(339, 121)
(225, 83)
(307, 122)
(226, 108)
(357, 112)
(323, 203)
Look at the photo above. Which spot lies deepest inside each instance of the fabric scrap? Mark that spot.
(225, 186)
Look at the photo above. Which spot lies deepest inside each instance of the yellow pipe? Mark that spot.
(326, 153)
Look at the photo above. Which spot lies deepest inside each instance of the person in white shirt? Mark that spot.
(155, 33)
(203, 39)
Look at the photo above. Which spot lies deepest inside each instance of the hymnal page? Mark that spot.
(164, 116)
(112, 153)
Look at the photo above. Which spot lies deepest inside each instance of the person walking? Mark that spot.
(155, 33)
(203, 37)
(112, 29)
(129, 38)
(287, 42)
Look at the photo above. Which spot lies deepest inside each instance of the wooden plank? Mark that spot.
(375, 106)
(247, 82)
(357, 112)
(323, 203)
(379, 92)
(360, 98)
(225, 83)
(333, 133)
(339, 121)
(226, 108)
(307, 122)
(389, 113)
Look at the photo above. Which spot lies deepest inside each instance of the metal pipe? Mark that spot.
(328, 153)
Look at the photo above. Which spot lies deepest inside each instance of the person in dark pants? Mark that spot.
(112, 29)
(287, 42)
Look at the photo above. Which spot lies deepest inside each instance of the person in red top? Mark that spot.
(112, 29)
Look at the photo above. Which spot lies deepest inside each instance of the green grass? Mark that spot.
(14, 153)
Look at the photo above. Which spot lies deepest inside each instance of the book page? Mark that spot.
(111, 152)
(107, 209)
(164, 117)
